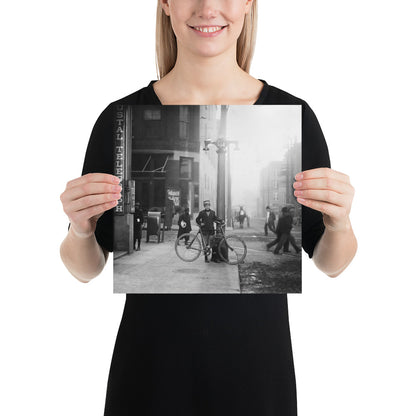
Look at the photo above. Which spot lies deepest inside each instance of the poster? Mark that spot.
(207, 203)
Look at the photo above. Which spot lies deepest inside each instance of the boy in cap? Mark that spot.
(205, 220)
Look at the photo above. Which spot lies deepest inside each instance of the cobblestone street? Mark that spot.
(263, 271)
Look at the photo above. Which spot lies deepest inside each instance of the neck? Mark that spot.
(205, 79)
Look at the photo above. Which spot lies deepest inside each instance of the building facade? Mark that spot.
(276, 181)
(159, 157)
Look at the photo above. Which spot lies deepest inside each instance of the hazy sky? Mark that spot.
(263, 133)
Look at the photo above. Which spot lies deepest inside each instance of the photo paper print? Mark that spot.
(207, 200)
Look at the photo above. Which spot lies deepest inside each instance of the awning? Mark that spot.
(161, 169)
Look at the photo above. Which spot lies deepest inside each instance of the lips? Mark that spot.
(208, 31)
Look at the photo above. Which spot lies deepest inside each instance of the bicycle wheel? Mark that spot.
(232, 249)
(188, 247)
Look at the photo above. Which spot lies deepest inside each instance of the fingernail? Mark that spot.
(116, 179)
(297, 184)
(299, 176)
(298, 193)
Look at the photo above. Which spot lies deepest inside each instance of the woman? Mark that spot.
(205, 354)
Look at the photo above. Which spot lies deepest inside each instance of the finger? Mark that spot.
(90, 201)
(323, 173)
(96, 210)
(324, 183)
(89, 188)
(93, 177)
(323, 195)
(333, 211)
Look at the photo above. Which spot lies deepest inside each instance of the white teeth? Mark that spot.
(208, 29)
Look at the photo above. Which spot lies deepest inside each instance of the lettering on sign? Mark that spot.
(174, 195)
(119, 155)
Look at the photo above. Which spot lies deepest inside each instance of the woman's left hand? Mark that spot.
(327, 191)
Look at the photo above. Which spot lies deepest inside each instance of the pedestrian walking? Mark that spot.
(270, 219)
(241, 216)
(138, 226)
(184, 223)
(284, 226)
(172, 352)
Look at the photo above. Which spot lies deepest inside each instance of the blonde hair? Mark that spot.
(166, 47)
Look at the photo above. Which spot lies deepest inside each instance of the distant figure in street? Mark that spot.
(286, 245)
(241, 216)
(205, 220)
(184, 223)
(138, 224)
(270, 219)
(284, 226)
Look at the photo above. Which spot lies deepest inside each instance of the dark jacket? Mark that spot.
(186, 219)
(138, 220)
(206, 220)
(284, 225)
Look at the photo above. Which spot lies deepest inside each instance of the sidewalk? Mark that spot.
(157, 269)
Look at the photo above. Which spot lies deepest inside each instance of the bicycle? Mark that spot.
(231, 249)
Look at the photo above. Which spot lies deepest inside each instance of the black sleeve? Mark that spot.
(198, 219)
(99, 159)
(314, 155)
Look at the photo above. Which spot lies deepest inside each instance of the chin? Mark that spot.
(210, 52)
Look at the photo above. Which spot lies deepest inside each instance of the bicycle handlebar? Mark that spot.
(220, 223)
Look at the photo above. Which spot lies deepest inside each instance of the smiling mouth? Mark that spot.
(208, 29)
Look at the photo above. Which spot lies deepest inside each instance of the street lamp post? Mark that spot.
(222, 146)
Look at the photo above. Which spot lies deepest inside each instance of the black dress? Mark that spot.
(204, 354)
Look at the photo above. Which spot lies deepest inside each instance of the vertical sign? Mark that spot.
(119, 155)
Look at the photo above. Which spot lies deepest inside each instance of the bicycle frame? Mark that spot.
(199, 233)
(202, 246)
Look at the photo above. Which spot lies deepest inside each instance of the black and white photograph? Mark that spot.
(207, 199)
(345, 346)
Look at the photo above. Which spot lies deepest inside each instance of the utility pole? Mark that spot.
(222, 145)
(221, 149)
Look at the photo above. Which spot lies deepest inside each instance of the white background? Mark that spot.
(63, 62)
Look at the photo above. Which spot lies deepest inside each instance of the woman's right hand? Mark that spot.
(86, 198)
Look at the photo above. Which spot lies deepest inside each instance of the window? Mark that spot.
(183, 130)
(152, 114)
(153, 123)
(184, 113)
(185, 167)
(196, 197)
(184, 193)
(184, 118)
